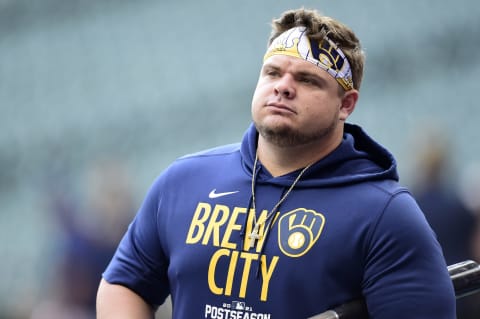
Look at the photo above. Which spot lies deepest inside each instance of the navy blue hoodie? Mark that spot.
(347, 230)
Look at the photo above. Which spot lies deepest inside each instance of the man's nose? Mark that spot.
(285, 87)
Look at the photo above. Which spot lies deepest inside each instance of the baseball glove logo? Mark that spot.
(298, 231)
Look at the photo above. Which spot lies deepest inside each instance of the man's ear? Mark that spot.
(349, 100)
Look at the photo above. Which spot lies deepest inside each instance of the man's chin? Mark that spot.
(280, 135)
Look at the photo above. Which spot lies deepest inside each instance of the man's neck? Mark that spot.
(283, 160)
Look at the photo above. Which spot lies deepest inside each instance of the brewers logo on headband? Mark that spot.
(326, 54)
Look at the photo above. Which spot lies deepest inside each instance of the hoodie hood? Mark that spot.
(357, 159)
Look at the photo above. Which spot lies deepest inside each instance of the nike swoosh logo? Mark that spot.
(214, 194)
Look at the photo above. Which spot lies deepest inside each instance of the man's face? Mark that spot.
(297, 103)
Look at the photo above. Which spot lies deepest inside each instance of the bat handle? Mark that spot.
(465, 278)
(355, 309)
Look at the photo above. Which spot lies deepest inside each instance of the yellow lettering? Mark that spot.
(231, 273)
(199, 218)
(211, 270)
(267, 272)
(215, 223)
(231, 226)
(205, 228)
(248, 257)
(248, 229)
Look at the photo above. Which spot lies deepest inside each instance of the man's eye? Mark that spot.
(271, 73)
(306, 80)
(309, 81)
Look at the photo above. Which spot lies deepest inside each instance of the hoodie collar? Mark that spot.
(357, 159)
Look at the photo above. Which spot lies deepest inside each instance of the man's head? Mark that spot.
(307, 86)
(318, 28)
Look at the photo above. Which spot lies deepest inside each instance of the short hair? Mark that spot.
(318, 27)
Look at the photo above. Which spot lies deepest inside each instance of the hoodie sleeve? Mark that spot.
(406, 274)
(139, 262)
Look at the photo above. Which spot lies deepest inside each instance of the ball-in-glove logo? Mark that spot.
(298, 230)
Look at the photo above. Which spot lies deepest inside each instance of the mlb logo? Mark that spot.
(238, 305)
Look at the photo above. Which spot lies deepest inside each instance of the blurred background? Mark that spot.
(98, 97)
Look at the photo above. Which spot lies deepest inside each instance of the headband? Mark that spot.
(325, 54)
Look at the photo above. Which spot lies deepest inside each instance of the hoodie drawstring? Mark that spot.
(266, 233)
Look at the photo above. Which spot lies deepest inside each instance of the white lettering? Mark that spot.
(212, 312)
(208, 310)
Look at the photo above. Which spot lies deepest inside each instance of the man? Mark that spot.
(303, 215)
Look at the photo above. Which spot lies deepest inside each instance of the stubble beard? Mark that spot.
(286, 136)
